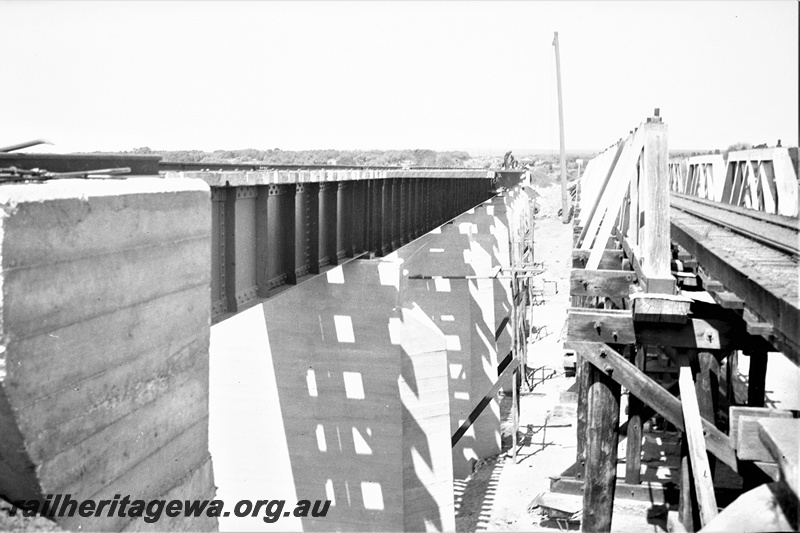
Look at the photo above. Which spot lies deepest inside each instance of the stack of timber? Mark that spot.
(628, 308)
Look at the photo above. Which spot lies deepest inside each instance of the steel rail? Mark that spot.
(776, 231)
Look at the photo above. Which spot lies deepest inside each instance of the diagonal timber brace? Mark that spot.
(610, 362)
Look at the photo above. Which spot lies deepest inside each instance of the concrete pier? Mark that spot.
(349, 387)
(104, 338)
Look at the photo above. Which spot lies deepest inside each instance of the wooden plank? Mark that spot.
(782, 438)
(607, 172)
(756, 326)
(631, 250)
(648, 282)
(612, 326)
(610, 260)
(599, 229)
(728, 300)
(744, 424)
(617, 327)
(707, 390)
(697, 333)
(770, 469)
(709, 283)
(701, 472)
(687, 504)
(737, 412)
(583, 376)
(632, 229)
(633, 449)
(647, 491)
(654, 198)
(601, 452)
(652, 394)
(649, 307)
(481, 405)
(609, 283)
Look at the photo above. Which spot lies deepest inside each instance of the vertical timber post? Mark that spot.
(602, 431)
(654, 203)
(756, 378)
(633, 451)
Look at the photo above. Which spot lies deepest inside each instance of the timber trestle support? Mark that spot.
(639, 325)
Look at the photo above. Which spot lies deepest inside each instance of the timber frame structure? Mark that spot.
(638, 297)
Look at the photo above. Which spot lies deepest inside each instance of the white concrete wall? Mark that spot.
(104, 336)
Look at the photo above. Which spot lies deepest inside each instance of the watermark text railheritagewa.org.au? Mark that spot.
(61, 505)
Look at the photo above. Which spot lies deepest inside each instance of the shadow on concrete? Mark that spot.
(350, 437)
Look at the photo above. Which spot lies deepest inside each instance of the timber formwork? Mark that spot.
(640, 322)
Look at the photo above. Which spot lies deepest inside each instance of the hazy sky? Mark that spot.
(406, 74)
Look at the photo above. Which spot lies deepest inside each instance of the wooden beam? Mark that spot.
(701, 473)
(654, 204)
(607, 173)
(649, 307)
(773, 305)
(744, 431)
(633, 449)
(709, 283)
(648, 491)
(600, 325)
(728, 300)
(610, 260)
(781, 438)
(583, 376)
(697, 333)
(647, 281)
(755, 325)
(687, 504)
(609, 283)
(652, 394)
(756, 379)
(616, 326)
(601, 452)
(707, 390)
(599, 229)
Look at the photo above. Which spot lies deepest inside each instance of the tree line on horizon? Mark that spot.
(276, 156)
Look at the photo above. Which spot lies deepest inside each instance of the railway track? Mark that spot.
(777, 231)
(751, 254)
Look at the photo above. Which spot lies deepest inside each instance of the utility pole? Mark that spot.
(564, 202)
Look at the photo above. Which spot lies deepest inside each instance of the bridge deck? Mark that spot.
(765, 278)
